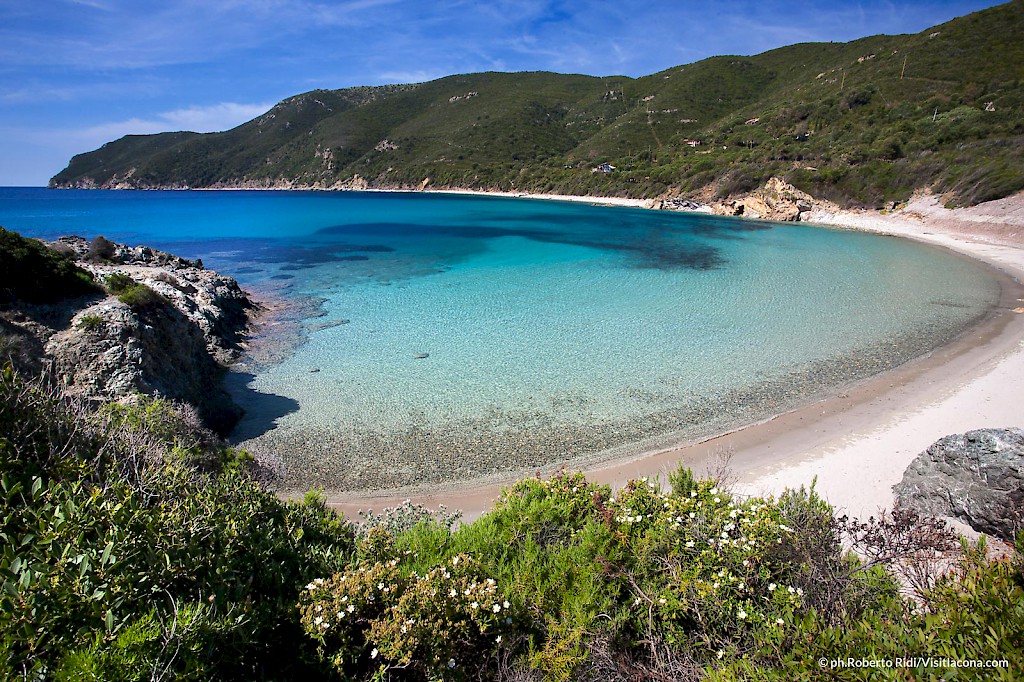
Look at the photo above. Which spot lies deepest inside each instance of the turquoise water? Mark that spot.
(553, 331)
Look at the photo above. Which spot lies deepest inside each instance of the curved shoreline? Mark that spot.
(855, 443)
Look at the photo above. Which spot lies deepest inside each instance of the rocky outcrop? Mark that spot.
(212, 302)
(175, 347)
(976, 477)
(777, 200)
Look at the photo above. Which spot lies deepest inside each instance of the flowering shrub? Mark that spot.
(382, 616)
(720, 573)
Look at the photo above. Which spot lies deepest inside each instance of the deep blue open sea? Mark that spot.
(553, 331)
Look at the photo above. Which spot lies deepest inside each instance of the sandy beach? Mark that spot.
(857, 444)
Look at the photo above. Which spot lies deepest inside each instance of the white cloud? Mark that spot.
(215, 117)
(197, 119)
(403, 77)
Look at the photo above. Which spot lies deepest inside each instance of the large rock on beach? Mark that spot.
(975, 477)
(776, 200)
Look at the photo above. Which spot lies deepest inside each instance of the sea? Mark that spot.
(431, 338)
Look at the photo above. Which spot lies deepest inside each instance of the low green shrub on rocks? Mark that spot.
(135, 295)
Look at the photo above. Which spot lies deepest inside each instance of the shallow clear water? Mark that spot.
(553, 330)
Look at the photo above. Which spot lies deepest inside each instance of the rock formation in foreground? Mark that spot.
(172, 339)
(976, 477)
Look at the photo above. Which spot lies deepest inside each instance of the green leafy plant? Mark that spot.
(90, 322)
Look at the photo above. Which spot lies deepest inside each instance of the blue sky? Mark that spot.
(77, 73)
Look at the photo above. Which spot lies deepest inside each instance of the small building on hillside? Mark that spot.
(603, 168)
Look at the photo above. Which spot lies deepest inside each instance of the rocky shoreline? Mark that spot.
(103, 348)
(776, 200)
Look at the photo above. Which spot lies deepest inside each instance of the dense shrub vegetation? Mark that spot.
(135, 546)
(34, 273)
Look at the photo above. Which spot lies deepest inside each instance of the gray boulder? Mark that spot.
(976, 477)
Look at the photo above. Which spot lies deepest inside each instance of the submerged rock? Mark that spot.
(976, 477)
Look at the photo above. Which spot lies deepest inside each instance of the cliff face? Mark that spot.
(176, 347)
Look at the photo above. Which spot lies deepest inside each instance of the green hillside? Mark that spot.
(861, 123)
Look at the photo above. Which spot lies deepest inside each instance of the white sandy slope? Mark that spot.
(857, 467)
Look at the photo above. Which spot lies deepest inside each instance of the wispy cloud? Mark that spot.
(415, 76)
(197, 119)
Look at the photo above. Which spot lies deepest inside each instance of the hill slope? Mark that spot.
(861, 123)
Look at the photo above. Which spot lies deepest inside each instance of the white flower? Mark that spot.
(451, 662)
(771, 587)
(453, 592)
(504, 604)
(496, 608)
(689, 543)
(475, 605)
(404, 630)
(746, 563)
(351, 608)
(661, 601)
(693, 493)
(799, 592)
(455, 561)
(791, 590)
(380, 586)
(318, 620)
(497, 640)
(779, 621)
(720, 654)
(639, 517)
(714, 491)
(742, 615)
(373, 654)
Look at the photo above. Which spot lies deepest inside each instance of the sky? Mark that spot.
(77, 73)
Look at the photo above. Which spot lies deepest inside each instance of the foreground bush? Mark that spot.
(119, 555)
(35, 273)
(132, 551)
